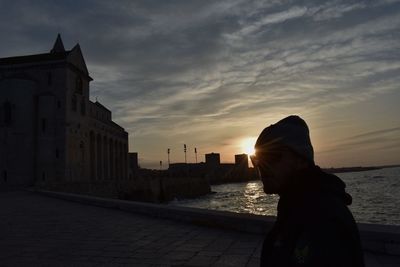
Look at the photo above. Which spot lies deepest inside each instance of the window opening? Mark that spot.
(79, 85)
(83, 108)
(7, 113)
(49, 78)
(74, 103)
(44, 122)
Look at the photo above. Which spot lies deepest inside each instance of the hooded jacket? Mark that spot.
(314, 227)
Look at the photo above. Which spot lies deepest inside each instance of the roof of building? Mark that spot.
(34, 58)
(58, 46)
(57, 53)
(118, 126)
(97, 103)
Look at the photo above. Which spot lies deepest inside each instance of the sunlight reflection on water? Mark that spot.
(237, 197)
(375, 197)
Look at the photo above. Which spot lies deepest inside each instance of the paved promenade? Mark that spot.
(36, 230)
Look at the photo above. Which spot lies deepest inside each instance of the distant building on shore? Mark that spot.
(213, 159)
(216, 172)
(133, 164)
(242, 160)
(50, 132)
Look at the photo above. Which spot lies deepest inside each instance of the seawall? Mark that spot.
(375, 238)
(158, 189)
(149, 186)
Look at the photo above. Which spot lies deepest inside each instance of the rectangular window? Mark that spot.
(79, 85)
(49, 78)
(43, 125)
(7, 113)
(83, 107)
(74, 103)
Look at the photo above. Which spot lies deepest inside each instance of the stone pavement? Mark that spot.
(41, 231)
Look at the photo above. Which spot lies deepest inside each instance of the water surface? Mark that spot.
(376, 197)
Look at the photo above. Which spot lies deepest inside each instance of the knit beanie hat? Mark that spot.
(291, 132)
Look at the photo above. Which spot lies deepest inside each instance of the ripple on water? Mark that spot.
(375, 197)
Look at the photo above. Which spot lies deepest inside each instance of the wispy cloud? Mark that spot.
(375, 133)
(272, 18)
(208, 70)
(334, 10)
(379, 139)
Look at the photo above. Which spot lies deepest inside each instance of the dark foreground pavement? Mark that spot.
(36, 230)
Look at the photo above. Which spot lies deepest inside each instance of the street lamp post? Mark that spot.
(184, 150)
(168, 151)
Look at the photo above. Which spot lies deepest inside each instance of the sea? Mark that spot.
(376, 197)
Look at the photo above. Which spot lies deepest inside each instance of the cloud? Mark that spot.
(209, 70)
(273, 18)
(375, 133)
(378, 140)
(334, 10)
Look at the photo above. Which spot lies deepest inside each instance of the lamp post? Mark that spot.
(168, 151)
(195, 152)
(184, 150)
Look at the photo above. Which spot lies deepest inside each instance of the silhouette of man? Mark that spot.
(314, 227)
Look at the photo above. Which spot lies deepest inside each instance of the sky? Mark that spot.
(214, 74)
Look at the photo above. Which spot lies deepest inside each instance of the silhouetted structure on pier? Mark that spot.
(216, 172)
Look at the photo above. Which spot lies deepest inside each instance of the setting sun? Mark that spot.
(247, 145)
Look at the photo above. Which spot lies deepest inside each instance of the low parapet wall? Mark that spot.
(374, 237)
(150, 186)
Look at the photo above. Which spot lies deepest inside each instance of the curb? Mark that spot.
(374, 237)
(248, 223)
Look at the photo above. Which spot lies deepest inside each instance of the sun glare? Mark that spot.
(247, 145)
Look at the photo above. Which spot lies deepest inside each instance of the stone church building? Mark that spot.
(51, 134)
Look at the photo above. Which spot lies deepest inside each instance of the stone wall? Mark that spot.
(161, 186)
(147, 185)
(230, 173)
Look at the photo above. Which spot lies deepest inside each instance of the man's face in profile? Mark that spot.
(275, 168)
